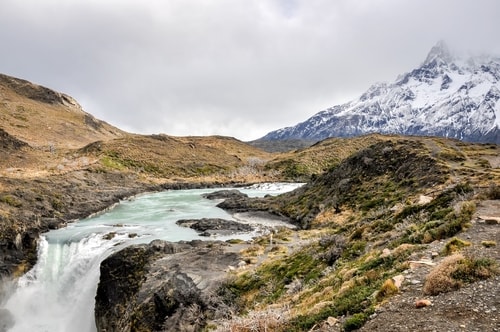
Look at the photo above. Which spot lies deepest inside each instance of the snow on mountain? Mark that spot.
(445, 96)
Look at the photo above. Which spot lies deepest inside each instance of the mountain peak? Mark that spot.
(445, 96)
(440, 52)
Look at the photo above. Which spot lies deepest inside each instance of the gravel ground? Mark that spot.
(474, 307)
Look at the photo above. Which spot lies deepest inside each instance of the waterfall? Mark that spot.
(58, 293)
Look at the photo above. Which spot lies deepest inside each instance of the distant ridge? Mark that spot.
(446, 96)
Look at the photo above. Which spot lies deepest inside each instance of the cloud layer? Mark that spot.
(228, 67)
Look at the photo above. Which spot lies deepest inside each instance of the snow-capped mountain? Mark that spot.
(445, 96)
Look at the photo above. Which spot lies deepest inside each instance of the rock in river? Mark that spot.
(163, 286)
(212, 226)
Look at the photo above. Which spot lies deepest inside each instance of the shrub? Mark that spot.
(387, 289)
(455, 245)
(488, 244)
(10, 200)
(493, 191)
(470, 270)
(439, 279)
(355, 322)
(455, 270)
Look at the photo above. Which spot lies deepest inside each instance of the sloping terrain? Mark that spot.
(176, 158)
(372, 205)
(364, 221)
(46, 119)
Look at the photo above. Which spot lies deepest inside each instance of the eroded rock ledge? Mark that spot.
(215, 226)
(163, 286)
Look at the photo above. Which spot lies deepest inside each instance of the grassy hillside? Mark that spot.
(43, 132)
(46, 119)
(362, 221)
(168, 158)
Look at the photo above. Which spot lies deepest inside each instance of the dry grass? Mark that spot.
(387, 289)
(60, 124)
(455, 270)
(440, 279)
(455, 245)
(272, 319)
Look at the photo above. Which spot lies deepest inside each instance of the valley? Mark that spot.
(372, 205)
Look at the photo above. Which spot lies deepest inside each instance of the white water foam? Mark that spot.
(58, 293)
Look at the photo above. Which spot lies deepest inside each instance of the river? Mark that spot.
(57, 295)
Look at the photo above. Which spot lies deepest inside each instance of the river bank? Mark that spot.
(36, 206)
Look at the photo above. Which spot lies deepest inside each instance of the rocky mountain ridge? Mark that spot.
(446, 96)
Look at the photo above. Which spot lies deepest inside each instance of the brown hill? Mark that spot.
(168, 158)
(46, 132)
(46, 119)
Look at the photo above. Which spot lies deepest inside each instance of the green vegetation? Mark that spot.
(366, 204)
(360, 214)
(10, 200)
(272, 279)
(455, 245)
(488, 243)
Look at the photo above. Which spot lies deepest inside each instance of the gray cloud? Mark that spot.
(237, 68)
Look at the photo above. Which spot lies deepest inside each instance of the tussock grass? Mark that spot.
(454, 245)
(456, 270)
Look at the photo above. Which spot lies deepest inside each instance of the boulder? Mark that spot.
(212, 226)
(223, 194)
(163, 286)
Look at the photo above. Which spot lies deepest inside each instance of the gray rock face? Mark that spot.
(223, 194)
(213, 226)
(162, 286)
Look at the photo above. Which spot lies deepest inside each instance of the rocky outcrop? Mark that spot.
(9, 143)
(37, 92)
(214, 226)
(224, 194)
(163, 286)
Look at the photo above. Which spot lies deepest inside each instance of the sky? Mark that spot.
(239, 68)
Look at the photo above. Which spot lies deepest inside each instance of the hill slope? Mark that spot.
(389, 211)
(47, 119)
(445, 96)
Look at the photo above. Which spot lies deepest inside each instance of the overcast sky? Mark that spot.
(239, 68)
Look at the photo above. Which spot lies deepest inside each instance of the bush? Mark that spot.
(456, 270)
(355, 322)
(11, 200)
(388, 288)
(493, 191)
(455, 245)
(488, 243)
